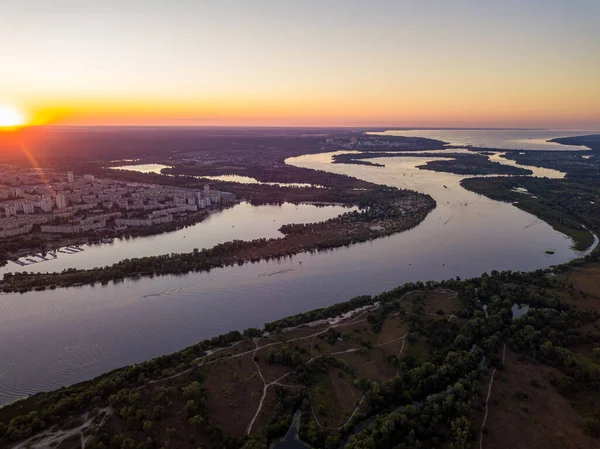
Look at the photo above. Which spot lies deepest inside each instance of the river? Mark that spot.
(55, 338)
(514, 139)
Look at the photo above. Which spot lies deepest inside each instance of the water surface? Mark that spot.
(502, 139)
(142, 168)
(249, 180)
(240, 222)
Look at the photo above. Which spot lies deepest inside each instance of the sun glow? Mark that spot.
(10, 117)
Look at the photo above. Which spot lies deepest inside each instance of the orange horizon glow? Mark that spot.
(356, 63)
(291, 112)
(519, 104)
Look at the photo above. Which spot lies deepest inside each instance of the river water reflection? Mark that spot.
(511, 139)
(142, 168)
(242, 221)
(249, 180)
(54, 338)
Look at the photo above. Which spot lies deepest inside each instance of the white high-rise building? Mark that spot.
(61, 201)
(70, 176)
(10, 209)
(46, 204)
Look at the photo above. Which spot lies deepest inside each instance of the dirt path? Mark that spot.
(265, 388)
(399, 354)
(53, 438)
(334, 324)
(488, 399)
(339, 427)
(391, 341)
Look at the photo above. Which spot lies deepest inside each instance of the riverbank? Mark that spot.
(384, 212)
(46, 243)
(409, 352)
(568, 206)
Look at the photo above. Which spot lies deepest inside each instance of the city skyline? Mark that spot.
(352, 63)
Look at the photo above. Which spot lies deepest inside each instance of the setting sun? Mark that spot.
(10, 117)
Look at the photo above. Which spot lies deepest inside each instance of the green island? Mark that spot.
(457, 163)
(592, 141)
(577, 164)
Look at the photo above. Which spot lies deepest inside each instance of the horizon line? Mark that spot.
(374, 127)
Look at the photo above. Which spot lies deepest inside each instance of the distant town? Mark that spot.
(41, 201)
(371, 142)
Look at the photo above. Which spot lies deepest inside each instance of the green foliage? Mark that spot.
(429, 404)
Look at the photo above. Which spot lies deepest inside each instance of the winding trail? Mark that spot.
(262, 399)
(333, 324)
(354, 320)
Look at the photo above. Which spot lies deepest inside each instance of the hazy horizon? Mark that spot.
(364, 127)
(426, 64)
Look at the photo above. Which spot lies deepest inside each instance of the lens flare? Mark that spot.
(10, 117)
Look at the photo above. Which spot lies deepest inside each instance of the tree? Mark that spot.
(197, 421)
(461, 432)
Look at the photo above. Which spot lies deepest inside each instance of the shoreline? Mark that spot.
(380, 219)
(164, 369)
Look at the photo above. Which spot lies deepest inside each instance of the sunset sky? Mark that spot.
(311, 62)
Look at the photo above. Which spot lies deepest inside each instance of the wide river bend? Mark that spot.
(55, 338)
